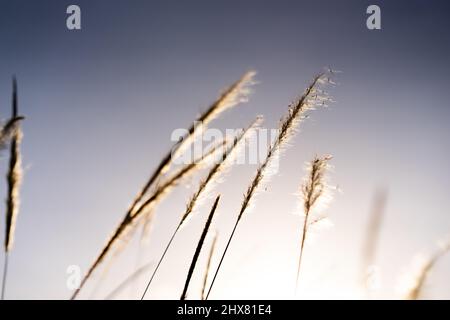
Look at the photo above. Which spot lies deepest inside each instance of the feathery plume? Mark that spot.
(129, 221)
(311, 98)
(288, 127)
(201, 162)
(199, 248)
(417, 283)
(211, 153)
(8, 130)
(205, 186)
(235, 94)
(232, 96)
(14, 178)
(314, 190)
(219, 168)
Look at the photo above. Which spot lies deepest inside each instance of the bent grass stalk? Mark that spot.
(208, 266)
(14, 178)
(127, 223)
(7, 131)
(308, 101)
(231, 97)
(148, 216)
(219, 146)
(199, 248)
(215, 170)
(235, 94)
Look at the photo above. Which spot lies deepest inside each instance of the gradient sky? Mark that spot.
(102, 102)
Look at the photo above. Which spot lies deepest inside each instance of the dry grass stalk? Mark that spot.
(312, 97)
(235, 94)
(208, 266)
(211, 153)
(314, 189)
(204, 186)
(128, 223)
(8, 130)
(219, 168)
(232, 96)
(14, 178)
(228, 99)
(416, 286)
(199, 248)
